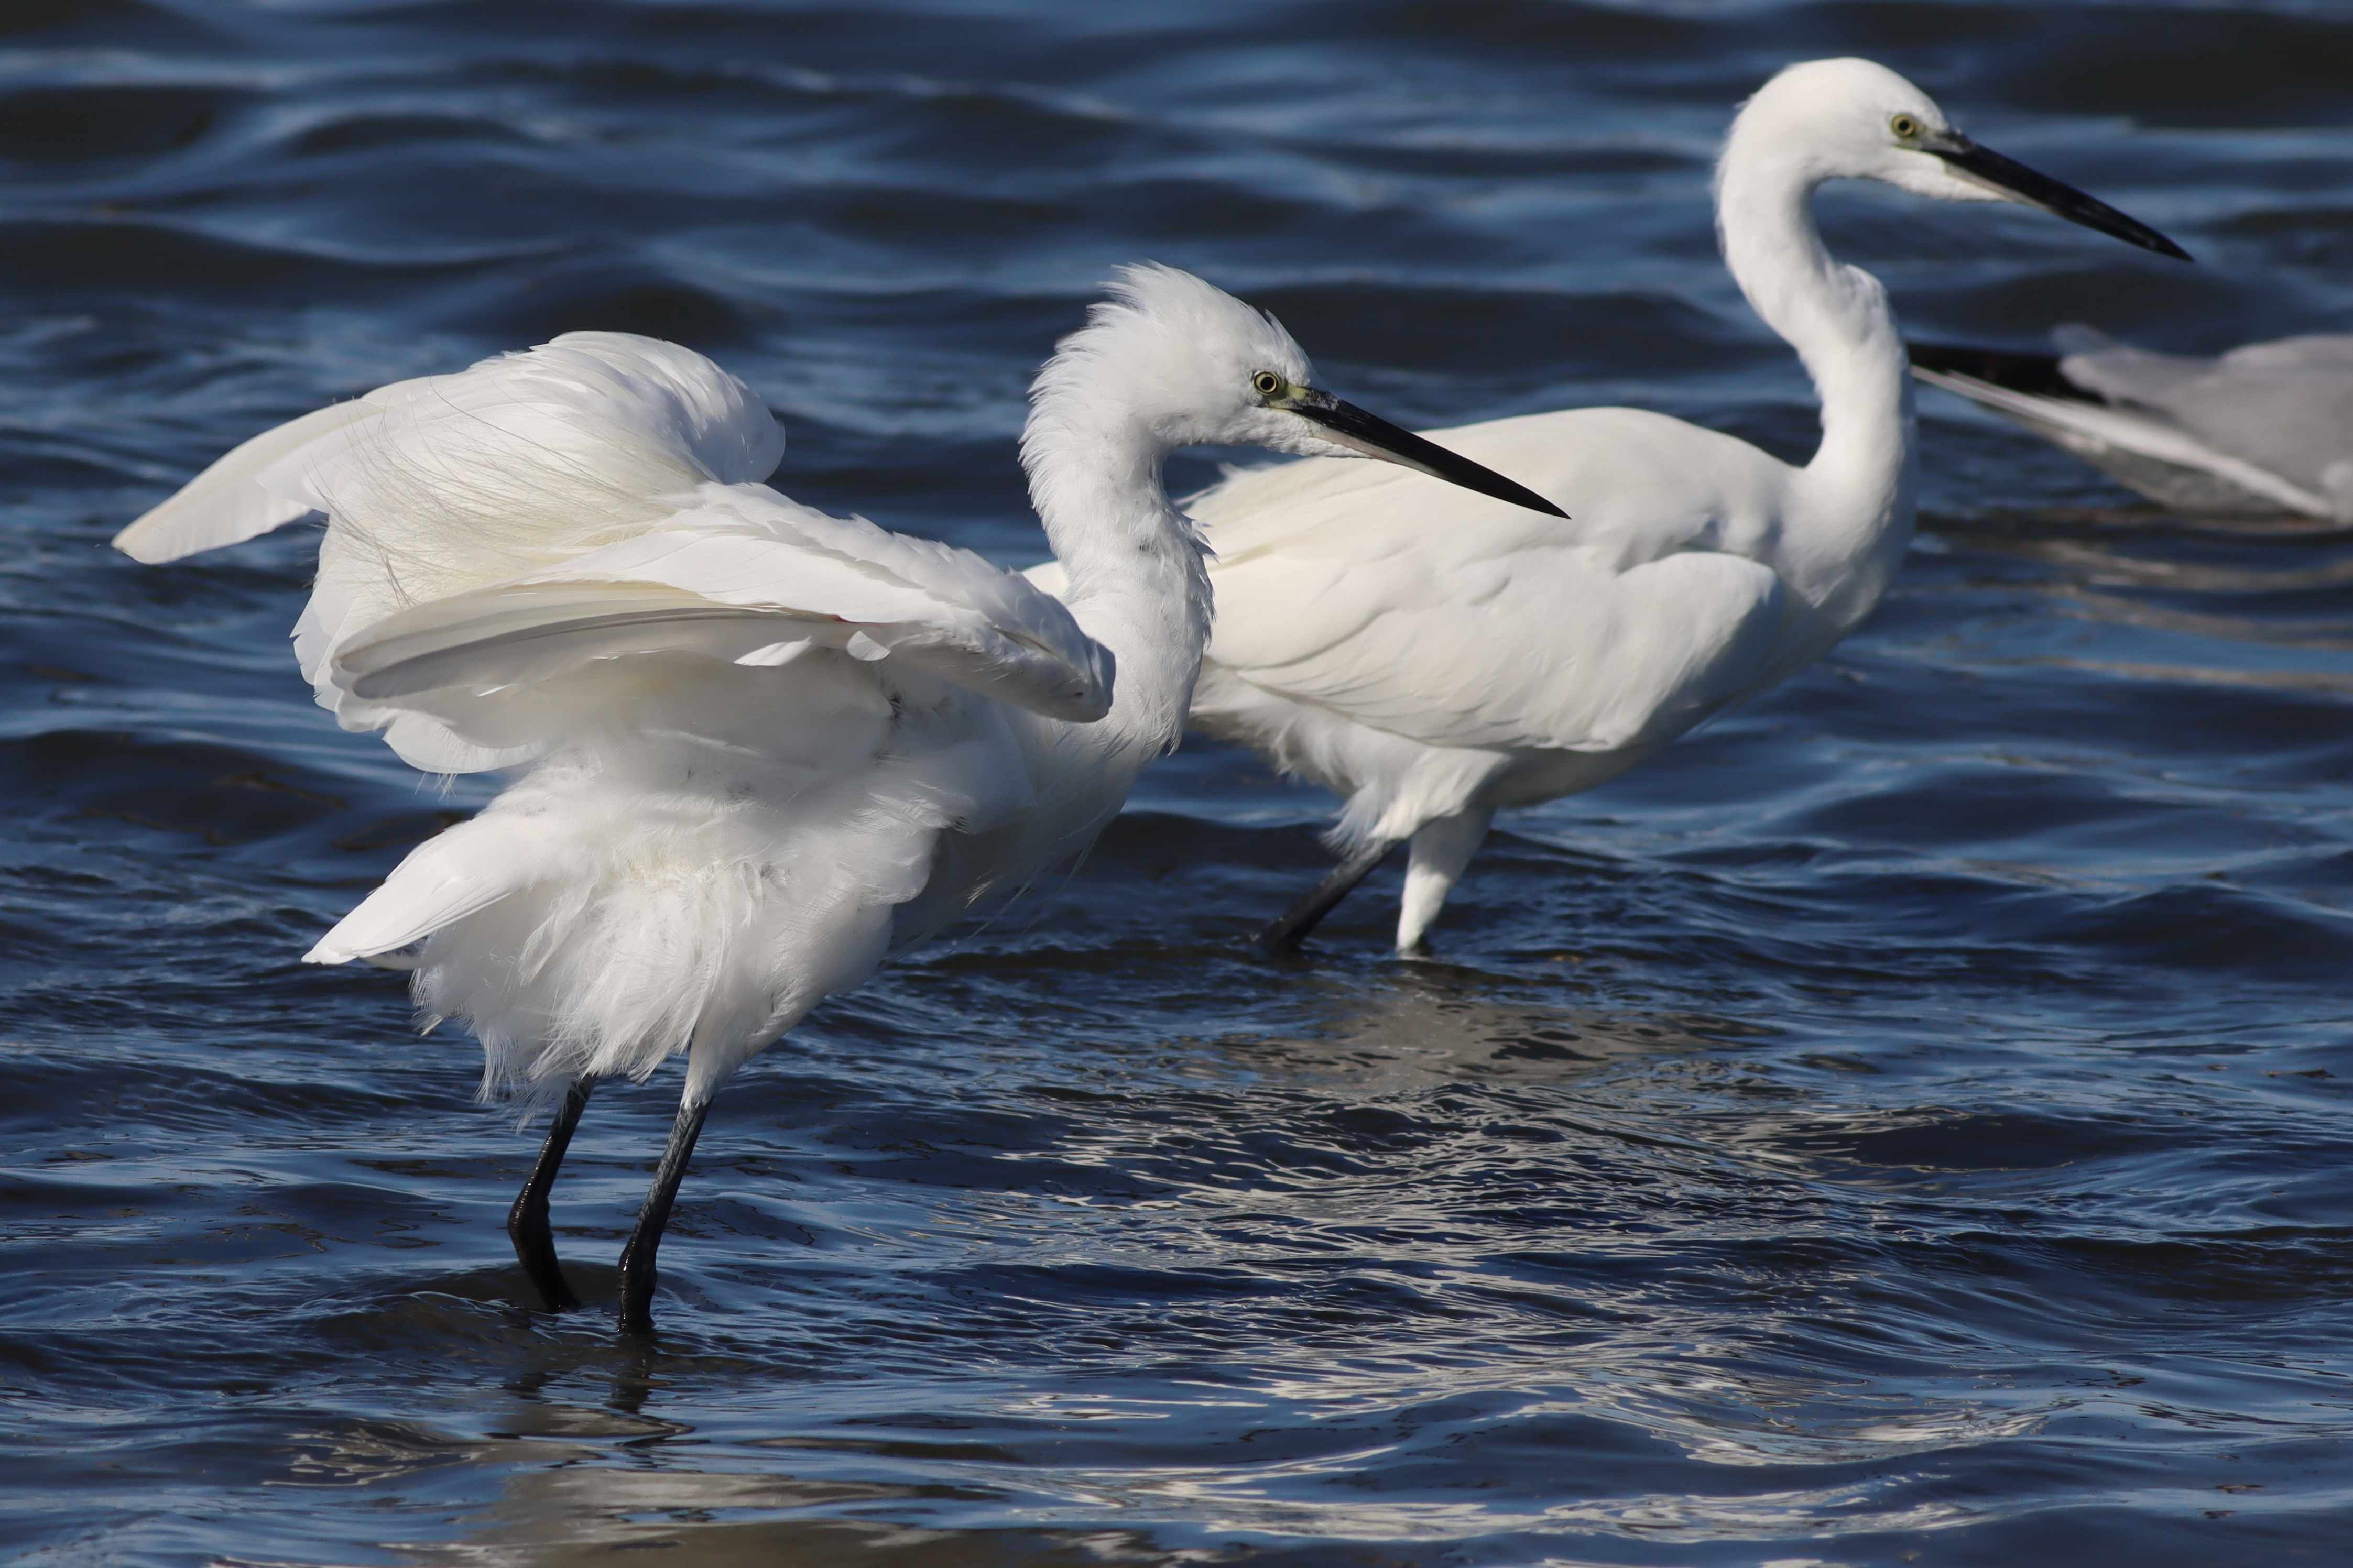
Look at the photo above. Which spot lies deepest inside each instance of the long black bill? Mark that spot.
(1990, 169)
(1376, 437)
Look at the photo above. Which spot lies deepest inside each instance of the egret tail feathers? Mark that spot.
(670, 929)
(444, 879)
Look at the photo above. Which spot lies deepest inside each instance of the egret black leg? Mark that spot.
(638, 1274)
(534, 1244)
(1285, 934)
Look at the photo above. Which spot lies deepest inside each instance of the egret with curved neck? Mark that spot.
(1432, 658)
(754, 747)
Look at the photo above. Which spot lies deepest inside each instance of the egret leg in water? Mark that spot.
(534, 1242)
(752, 748)
(1440, 849)
(637, 1272)
(1284, 935)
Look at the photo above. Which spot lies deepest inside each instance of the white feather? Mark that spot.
(2252, 431)
(225, 504)
(727, 577)
(1376, 638)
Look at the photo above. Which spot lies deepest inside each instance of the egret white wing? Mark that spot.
(1631, 657)
(517, 636)
(1338, 585)
(2091, 428)
(518, 451)
(226, 504)
(2286, 408)
(733, 577)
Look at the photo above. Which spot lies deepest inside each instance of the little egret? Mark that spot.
(2265, 430)
(1430, 659)
(756, 746)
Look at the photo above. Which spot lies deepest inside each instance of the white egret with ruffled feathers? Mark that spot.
(753, 746)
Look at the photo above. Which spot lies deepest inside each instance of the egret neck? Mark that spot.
(1138, 584)
(1844, 539)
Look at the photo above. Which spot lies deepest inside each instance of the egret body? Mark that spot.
(1433, 658)
(753, 747)
(2265, 430)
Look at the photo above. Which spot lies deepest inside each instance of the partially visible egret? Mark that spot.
(1433, 659)
(2265, 430)
(757, 746)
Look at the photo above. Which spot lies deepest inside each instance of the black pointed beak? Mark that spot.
(1986, 167)
(1376, 437)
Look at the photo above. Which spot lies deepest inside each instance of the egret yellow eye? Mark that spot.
(1266, 383)
(1905, 126)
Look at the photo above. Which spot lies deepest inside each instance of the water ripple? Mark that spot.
(1901, 1124)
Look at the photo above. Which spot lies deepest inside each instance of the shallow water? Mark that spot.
(1904, 1123)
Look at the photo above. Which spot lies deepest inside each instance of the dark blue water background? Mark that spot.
(1905, 1123)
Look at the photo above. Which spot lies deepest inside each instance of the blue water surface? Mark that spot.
(1904, 1123)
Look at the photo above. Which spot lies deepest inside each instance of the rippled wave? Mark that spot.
(1903, 1123)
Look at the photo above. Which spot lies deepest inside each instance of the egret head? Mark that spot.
(1850, 119)
(1186, 364)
